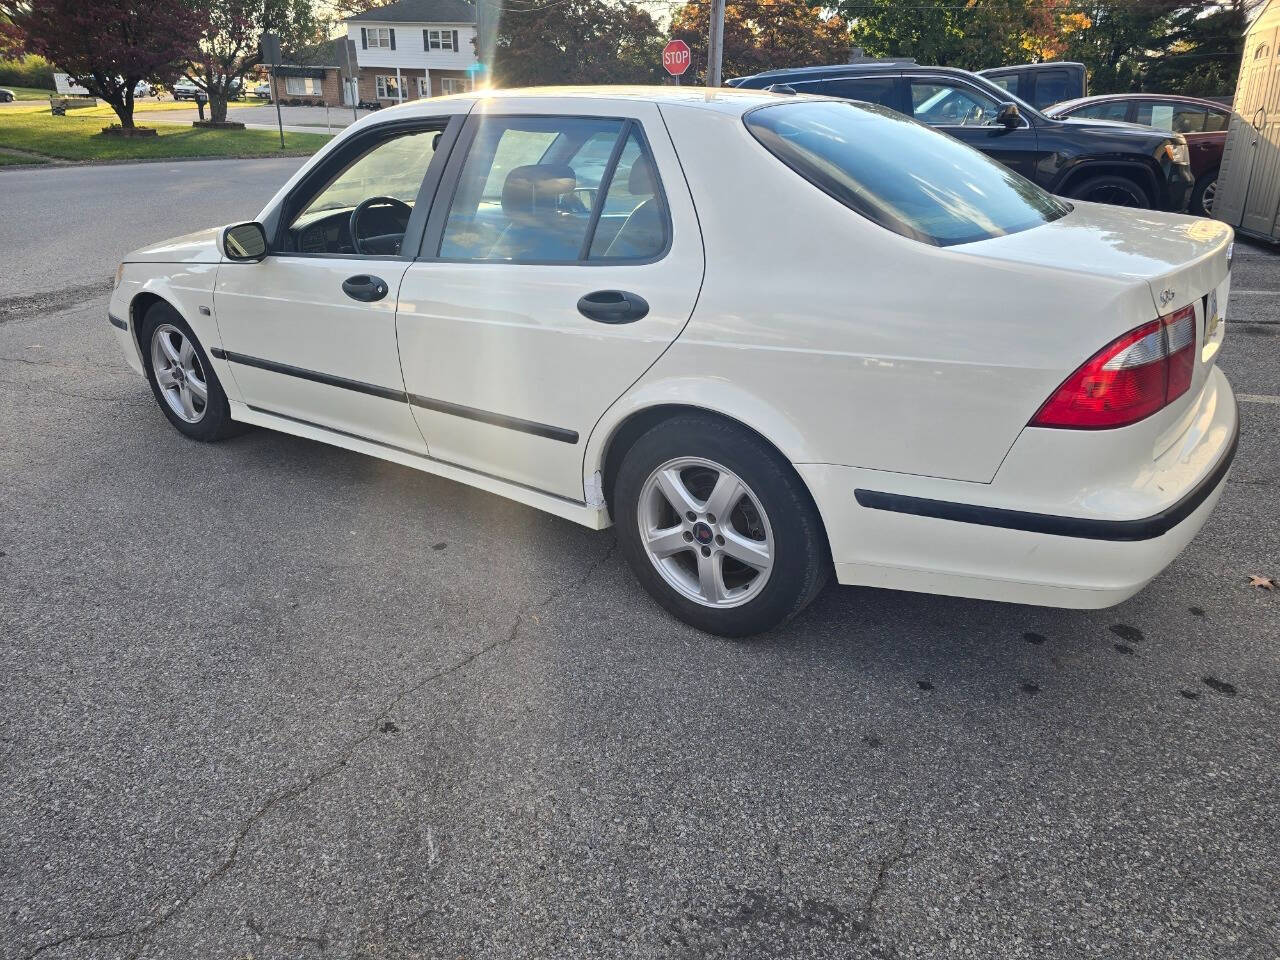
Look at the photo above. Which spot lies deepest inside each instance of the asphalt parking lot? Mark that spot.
(272, 699)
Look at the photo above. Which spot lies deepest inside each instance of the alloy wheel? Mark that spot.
(178, 373)
(1206, 198)
(705, 532)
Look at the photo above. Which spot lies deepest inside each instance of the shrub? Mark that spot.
(28, 71)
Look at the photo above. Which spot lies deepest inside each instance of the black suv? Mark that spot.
(1097, 160)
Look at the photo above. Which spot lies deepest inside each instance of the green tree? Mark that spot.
(575, 41)
(228, 44)
(762, 35)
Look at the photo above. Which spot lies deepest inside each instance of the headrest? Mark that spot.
(642, 181)
(533, 190)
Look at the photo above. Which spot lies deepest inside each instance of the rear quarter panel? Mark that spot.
(844, 343)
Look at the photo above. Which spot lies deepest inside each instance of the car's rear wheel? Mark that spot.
(1115, 190)
(1202, 196)
(718, 527)
(181, 378)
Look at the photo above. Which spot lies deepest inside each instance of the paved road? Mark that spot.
(273, 699)
(65, 229)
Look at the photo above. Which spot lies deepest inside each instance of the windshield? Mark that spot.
(901, 174)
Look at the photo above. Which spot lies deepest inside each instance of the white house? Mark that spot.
(414, 48)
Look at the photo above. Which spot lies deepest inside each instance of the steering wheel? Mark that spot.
(384, 242)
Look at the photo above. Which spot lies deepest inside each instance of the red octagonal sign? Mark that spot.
(676, 57)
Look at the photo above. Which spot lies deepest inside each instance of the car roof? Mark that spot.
(1047, 65)
(722, 99)
(1112, 97)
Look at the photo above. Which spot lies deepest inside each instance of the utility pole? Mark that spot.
(715, 43)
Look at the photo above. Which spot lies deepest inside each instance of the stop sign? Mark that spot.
(676, 57)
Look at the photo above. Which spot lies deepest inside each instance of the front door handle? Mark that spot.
(364, 287)
(613, 306)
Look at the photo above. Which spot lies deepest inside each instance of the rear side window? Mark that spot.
(556, 189)
(869, 89)
(1215, 121)
(900, 174)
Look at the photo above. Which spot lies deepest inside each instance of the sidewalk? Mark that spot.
(263, 117)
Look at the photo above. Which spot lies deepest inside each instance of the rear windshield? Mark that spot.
(901, 174)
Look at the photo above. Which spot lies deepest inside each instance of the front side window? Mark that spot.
(951, 105)
(1171, 116)
(1107, 110)
(389, 174)
(1008, 83)
(900, 174)
(533, 188)
(1216, 120)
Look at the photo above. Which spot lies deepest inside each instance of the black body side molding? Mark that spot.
(1146, 528)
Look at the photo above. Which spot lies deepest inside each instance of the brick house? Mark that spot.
(309, 75)
(414, 48)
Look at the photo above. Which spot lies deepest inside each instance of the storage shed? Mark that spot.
(1249, 182)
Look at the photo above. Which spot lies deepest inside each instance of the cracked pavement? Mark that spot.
(270, 699)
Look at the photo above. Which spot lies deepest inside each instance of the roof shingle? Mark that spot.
(419, 11)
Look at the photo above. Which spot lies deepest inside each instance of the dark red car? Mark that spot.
(1203, 122)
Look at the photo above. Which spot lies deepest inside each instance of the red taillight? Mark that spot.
(1127, 380)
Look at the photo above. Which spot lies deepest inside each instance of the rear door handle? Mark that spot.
(613, 306)
(364, 287)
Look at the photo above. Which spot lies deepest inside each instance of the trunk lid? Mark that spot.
(1180, 261)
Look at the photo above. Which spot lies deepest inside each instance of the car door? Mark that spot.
(566, 260)
(310, 330)
(969, 114)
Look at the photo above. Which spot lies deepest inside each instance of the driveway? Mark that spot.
(273, 699)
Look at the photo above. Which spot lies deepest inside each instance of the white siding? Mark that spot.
(409, 51)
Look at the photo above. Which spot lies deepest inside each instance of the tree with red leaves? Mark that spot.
(108, 46)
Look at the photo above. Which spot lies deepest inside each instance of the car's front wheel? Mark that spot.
(1115, 190)
(181, 378)
(718, 527)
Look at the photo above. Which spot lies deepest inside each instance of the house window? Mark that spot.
(388, 89)
(440, 39)
(379, 38)
(424, 86)
(450, 85)
(302, 86)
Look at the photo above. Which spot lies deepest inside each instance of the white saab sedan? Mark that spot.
(770, 337)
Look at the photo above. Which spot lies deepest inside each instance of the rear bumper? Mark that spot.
(886, 532)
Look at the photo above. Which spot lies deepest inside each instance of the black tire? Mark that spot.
(215, 423)
(1198, 204)
(801, 558)
(1113, 189)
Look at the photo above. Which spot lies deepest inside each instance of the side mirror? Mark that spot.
(244, 242)
(1009, 117)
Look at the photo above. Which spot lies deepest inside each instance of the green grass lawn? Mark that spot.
(78, 136)
(28, 93)
(9, 159)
